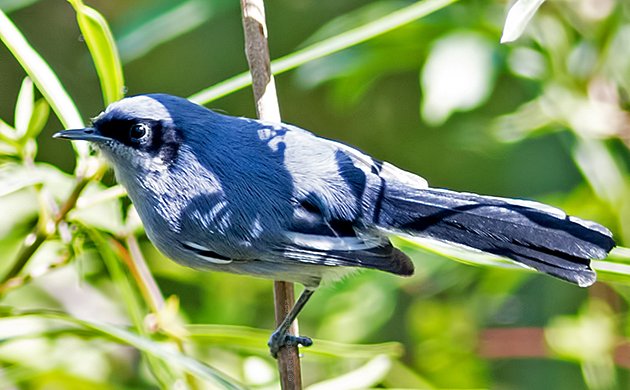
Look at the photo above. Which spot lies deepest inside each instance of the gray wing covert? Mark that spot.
(332, 216)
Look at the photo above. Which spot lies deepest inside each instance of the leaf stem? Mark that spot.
(138, 266)
(136, 263)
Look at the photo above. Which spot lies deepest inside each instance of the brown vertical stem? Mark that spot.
(288, 357)
(257, 52)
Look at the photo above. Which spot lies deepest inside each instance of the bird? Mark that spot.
(272, 200)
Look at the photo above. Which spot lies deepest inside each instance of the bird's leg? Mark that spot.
(280, 337)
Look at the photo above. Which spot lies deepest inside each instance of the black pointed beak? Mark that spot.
(87, 134)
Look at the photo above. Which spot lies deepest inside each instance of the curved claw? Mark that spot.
(281, 336)
(279, 340)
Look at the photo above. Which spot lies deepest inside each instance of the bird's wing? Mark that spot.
(383, 257)
(317, 236)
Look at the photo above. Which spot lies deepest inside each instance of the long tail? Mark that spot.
(534, 234)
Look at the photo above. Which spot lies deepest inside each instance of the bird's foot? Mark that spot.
(281, 339)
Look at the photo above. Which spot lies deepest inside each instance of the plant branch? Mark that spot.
(150, 291)
(144, 279)
(39, 235)
(257, 52)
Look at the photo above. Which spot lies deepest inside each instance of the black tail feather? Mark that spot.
(534, 234)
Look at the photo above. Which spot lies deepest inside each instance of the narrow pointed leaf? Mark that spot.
(43, 77)
(518, 17)
(7, 135)
(615, 268)
(366, 376)
(162, 372)
(38, 119)
(256, 339)
(102, 46)
(327, 47)
(24, 106)
(124, 336)
(13, 5)
(14, 177)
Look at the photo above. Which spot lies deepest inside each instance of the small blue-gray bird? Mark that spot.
(275, 201)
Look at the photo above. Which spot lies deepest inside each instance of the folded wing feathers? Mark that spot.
(346, 251)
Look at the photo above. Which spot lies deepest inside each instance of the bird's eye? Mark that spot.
(138, 131)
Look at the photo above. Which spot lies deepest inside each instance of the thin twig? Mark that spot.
(144, 279)
(134, 259)
(88, 170)
(264, 87)
(39, 235)
(21, 280)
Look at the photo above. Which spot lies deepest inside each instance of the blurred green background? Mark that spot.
(545, 118)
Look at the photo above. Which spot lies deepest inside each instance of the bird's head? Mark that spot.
(139, 131)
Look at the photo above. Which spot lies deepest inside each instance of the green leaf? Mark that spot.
(14, 5)
(8, 144)
(518, 17)
(13, 374)
(44, 78)
(367, 376)
(352, 72)
(102, 46)
(100, 207)
(161, 22)
(403, 377)
(105, 215)
(127, 337)
(593, 157)
(256, 339)
(460, 254)
(41, 74)
(6, 131)
(326, 47)
(30, 119)
(14, 177)
(130, 298)
(24, 107)
(615, 268)
(38, 120)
